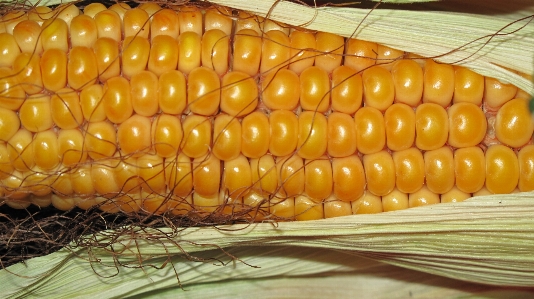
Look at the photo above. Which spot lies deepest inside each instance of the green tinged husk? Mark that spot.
(485, 240)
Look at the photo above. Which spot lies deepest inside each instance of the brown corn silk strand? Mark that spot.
(224, 220)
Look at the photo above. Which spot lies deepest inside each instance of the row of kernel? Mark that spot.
(452, 177)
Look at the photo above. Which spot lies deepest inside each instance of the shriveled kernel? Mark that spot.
(470, 169)
(144, 92)
(502, 169)
(83, 31)
(163, 55)
(66, 110)
(525, 158)
(107, 58)
(109, 24)
(360, 54)
(36, 113)
(468, 86)
(467, 125)
(264, 175)
(408, 80)
(100, 140)
(367, 204)
(370, 130)
(347, 90)
(341, 135)
(179, 176)
(206, 176)
(281, 90)
(332, 46)
(307, 209)
(135, 53)
(410, 170)
(218, 18)
(275, 52)
(71, 147)
(399, 121)
(133, 135)
(190, 52)
(190, 19)
(55, 35)
(91, 103)
(203, 91)
(423, 197)
(291, 178)
(167, 135)
(348, 177)
(165, 22)
(318, 182)
(151, 173)
(215, 50)
(26, 34)
(226, 137)
(172, 92)
(438, 83)
(247, 52)
(514, 124)
(197, 136)
(135, 22)
(237, 177)
(497, 93)
(239, 94)
(284, 132)
(9, 124)
(314, 89)
(46, 150)
(20, 150)
(431, 126)
(255, 135)
(439, 170)
(313, 131)
(378, 88)
(117, 99)
(454, 195)
(395, 200)
(300, 43)
(54, 69)
(28, 70)
(379, 172)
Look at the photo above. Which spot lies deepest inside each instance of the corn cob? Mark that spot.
(192, 111)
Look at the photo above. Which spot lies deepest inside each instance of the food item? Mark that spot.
(179, 116)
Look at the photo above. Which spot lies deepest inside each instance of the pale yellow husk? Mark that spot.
(486, 240)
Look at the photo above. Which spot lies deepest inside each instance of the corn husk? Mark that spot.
(486, 240)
